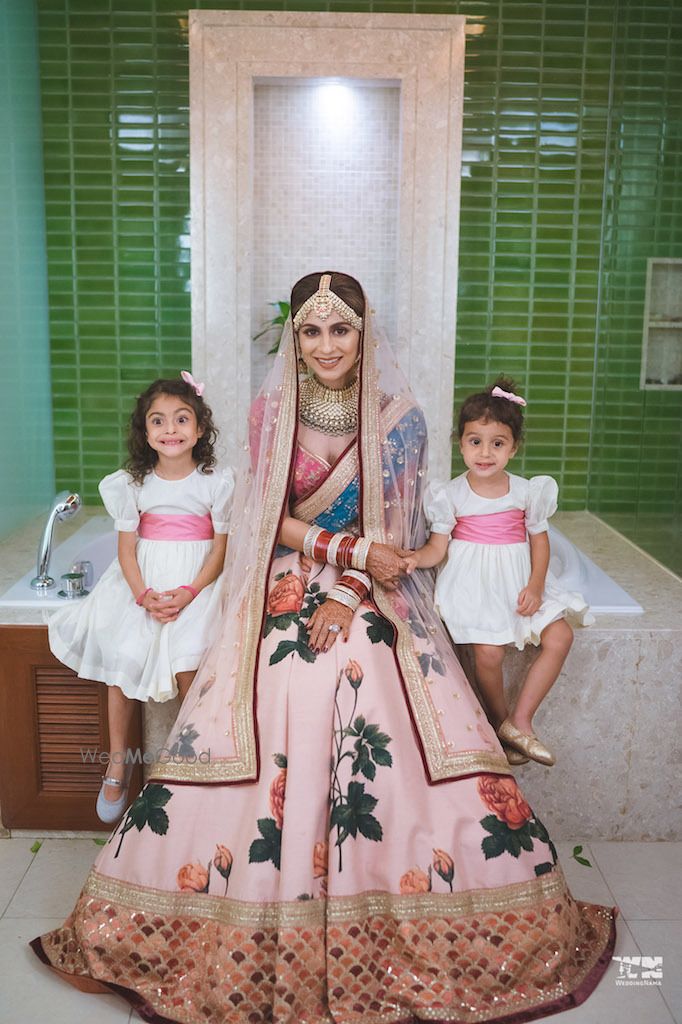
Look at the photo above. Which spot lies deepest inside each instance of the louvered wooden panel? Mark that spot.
(48, 718)
(67, 725)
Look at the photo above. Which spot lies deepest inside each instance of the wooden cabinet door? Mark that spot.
(53, 729)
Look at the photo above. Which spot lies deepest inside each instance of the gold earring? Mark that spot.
(303, 366)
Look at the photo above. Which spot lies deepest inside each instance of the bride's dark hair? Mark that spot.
(343, 285)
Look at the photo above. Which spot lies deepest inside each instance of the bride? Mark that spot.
(333, 833)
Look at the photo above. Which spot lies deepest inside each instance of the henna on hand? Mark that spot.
(330, 612)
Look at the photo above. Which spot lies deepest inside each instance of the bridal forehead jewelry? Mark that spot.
(332, 411)
(325, 302)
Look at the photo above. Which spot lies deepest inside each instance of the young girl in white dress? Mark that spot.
(148, 620)
(495, 588)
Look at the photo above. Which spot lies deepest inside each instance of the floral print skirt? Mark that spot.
(341, 886)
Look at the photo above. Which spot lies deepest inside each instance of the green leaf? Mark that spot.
(380, 630)
(577, 850)
(584, 861)
(284, 648)
(270, 846)
(493, 846)
(360, 801)
(370, 828)
(513, 844)
(157, 795)
(259, 851)
(38, 843)
(542, 869)
(524, 838)
(138, 813)
(344, 817)
(376, 738)
(158, 821)
(282, 621)
(314, 587)
(100, 842)
(268, 829)
(306, 652)
(382, 757)
(280, 760)
(491, 823)
(437, 666)
(359, 724)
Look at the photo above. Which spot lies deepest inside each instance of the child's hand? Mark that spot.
(154, 603)
(174, 601)
(410, 557)
(529, 600)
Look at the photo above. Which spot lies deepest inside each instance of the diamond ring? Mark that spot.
(334, 628)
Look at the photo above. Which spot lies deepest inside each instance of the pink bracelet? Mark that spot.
(186, 586)
(140, 599)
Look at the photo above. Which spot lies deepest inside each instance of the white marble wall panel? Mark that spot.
(230, 52)
(326, 161)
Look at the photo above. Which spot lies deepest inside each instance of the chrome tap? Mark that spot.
(64, 506)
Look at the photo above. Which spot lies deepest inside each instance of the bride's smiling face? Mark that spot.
(330, 348)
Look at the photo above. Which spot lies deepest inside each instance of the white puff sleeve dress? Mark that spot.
(478, 586)
(106, 636)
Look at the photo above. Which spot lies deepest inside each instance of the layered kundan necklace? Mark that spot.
(332, 411)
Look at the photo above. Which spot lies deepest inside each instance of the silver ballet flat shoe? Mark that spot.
(110, 811)
(526, 743)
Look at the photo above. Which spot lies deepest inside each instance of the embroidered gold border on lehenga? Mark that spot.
(365, 959)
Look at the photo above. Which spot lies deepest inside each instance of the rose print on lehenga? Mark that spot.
(290, 602)
(195, 877)
(416, 881)
(351, 811)
(269, 844)
(512, 825)
(147, 809)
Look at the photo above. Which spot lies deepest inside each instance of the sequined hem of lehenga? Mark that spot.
(523, 951)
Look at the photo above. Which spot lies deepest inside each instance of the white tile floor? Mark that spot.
(37, 891)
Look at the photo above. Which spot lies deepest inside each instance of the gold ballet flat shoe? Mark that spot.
(527, 743)
(513, 756)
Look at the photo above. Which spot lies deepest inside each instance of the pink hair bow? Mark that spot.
(189, 379)
(509, 395)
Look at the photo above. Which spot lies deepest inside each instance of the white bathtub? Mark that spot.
(96, 542)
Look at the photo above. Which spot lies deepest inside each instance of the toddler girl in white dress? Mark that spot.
(495, 588)
(145, 626)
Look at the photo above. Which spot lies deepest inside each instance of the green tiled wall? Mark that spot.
(552, 95)
(636, 466)
(26, 466)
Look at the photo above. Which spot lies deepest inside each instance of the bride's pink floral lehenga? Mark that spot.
(332, 837)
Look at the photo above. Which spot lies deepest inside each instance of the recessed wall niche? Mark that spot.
(233, 54)
(326, 163)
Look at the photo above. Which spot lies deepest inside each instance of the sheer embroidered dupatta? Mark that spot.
(215, 738)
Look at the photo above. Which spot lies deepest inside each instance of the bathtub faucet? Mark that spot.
(64, 506)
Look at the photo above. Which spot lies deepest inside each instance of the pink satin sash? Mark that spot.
(165, 527)
(496, 528)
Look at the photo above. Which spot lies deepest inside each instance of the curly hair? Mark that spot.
(483, 406)
(141, 458)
